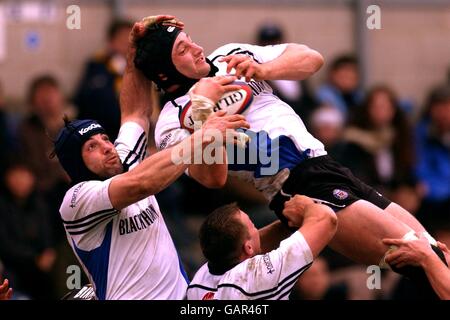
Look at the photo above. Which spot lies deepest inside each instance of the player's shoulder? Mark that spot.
(227, 49)
(76, 197)
(174, 106)
(202, 275)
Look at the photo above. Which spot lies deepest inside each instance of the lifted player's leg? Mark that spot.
(361, 227)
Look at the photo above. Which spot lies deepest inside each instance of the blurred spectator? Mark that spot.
(295, 93)
(379, 147)
(433, 154)
(8, 142)
(341, 90)
(46, 110)
(327, 125)
(98, 91)
(315, 284)
(26, 247)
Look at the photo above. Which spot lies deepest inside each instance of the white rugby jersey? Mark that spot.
(127, 254)
(270, 276)
(279, 139)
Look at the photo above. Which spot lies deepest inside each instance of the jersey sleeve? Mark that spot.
(168, 131)
(131, 144)
(263, 54)
(85, 212)
(270, 276)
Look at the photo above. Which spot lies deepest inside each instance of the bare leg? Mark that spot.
(361, 227)
(401, 214)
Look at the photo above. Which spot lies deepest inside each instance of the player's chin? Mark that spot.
(202, 69)
(112, 170)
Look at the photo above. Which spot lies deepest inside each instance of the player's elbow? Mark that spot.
(325, 216)
(214, 182)
(315, 60)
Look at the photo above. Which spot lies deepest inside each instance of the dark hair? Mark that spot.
(116, 26)
(269, 34)
(402, 145)
(36, 83)
(342, 61)
(222, 236)
(439, 94)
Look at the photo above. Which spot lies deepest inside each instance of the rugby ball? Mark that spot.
(234, 102)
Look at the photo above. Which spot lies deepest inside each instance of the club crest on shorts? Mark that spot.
(340, 194)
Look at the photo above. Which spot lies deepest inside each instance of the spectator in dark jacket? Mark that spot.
(97, 94)
(379, 147)
(433, 154)
(25, 235)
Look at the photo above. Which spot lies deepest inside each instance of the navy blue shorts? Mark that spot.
(329, 182)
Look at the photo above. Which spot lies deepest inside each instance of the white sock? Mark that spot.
(430, 239)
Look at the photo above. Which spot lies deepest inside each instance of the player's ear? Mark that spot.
(248, 248)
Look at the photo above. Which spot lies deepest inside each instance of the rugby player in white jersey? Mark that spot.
(298, 162)
(244, 263)
(111, 218)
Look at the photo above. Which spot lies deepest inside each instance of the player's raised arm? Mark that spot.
(297, 62)
(136, 92)
(318, 222)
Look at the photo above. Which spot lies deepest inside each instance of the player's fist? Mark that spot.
(294, 209)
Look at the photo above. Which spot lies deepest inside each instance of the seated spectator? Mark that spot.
(8, 143)
(327, 125)
(26, 247)
(36, 132)
(341, 90)
(98, 90)
(433, 158)
(379, 146)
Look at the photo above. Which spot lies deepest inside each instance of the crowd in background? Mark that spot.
(401, 153)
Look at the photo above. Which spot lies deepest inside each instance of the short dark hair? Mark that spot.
(438, 95)
(221, 237)
(38, 82)
(343, 60)
(117, 25)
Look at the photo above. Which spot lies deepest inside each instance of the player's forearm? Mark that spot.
(136, 98)
(154, 174)
(297, 62)
(272, 235)
(211, 175)
(319, 226)
(439, 276)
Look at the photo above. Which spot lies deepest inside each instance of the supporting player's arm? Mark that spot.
(419, 253)
(272, 234)
(136, 94)
(161, 169)
(318, 222)
(5, 290)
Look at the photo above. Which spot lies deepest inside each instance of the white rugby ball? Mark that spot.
(234, 102)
